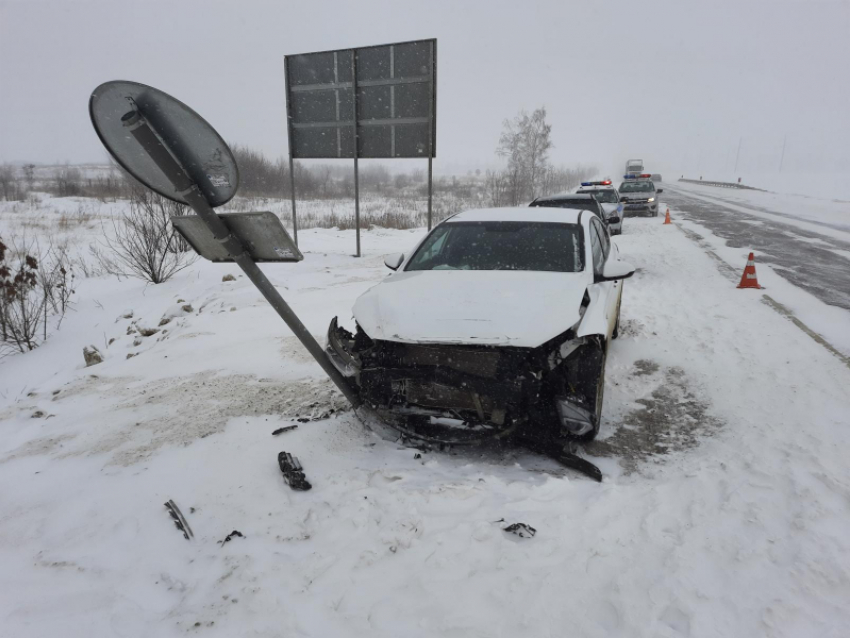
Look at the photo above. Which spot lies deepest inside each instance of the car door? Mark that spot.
(603, 249)
(619, 203)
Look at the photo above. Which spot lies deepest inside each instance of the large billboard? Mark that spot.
(369, 102)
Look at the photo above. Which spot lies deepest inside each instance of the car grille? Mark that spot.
(480, 363)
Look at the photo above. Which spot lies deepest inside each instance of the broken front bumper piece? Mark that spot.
(340, 341)
(489, 390)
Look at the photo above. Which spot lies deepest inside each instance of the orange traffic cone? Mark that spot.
(749, 279)
(667, 217)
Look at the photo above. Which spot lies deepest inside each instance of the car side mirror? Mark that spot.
(615, 269)
(660, 190)
(613, 220)
(394, 261)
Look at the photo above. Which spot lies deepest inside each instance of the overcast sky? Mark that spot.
(675, 83)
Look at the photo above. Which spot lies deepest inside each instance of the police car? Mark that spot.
(608, 197)
(639, 195)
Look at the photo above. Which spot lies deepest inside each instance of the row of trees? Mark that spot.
(259, 177)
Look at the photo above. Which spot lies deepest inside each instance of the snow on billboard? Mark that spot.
(394, 114)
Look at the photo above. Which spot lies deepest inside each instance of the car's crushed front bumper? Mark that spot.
(490, 391)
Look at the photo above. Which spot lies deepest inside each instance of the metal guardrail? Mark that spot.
(720, 184)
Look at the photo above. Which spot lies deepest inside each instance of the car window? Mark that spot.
(596, 249)
(606, 196)
(514, 245)
(435, 247)
(604, 239)
(637, 187)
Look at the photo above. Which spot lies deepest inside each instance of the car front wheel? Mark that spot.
(597, 412)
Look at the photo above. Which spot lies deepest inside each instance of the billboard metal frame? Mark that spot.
(358, 123)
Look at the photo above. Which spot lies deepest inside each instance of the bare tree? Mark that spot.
(29, 175)
(525, 142)
(8, 185)
(496, 187)
(144, 243)
(68, 182)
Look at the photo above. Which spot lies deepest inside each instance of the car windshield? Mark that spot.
(637, 187)
(575, 204)
(514, 245)
(604, 196)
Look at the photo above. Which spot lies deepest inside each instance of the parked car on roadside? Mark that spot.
(584, 201)
(497, 324)
(605, 193)
(639, 195)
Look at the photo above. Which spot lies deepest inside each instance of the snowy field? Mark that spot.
(724, 512)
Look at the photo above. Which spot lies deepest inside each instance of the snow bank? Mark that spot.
(724, 509)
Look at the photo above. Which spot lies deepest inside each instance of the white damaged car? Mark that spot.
(497, 324)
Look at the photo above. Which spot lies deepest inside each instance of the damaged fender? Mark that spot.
(595, 320)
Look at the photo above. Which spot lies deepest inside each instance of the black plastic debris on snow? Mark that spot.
(287, 428)
(566, 455)
(179, 520)
(292, 471)
(520, 529)
(231, 536)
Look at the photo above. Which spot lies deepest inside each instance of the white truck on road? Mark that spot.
(634, 166)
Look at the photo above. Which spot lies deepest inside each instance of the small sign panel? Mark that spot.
(262, 235)
(387, 108)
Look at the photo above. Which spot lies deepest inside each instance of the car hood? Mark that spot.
(475, 307)
(636, 197)
(609, 209)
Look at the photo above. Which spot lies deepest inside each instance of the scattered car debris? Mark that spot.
(230, 536)
(293, 473)
(520, 529)
(568, 458)
(287, 428)
(179, 520)
(566, 455)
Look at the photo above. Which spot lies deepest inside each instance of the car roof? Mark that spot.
(525, 214)
(580, 196)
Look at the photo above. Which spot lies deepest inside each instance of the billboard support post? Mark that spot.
(430, 188)
(292, 193)
(356, 150)
(291, 156)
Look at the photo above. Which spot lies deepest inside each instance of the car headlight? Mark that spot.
(651, 199)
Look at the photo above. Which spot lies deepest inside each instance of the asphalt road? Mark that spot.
(805, 258)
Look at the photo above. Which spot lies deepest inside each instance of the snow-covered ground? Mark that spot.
(724, 511)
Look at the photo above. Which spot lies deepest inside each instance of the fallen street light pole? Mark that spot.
(155, 147)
